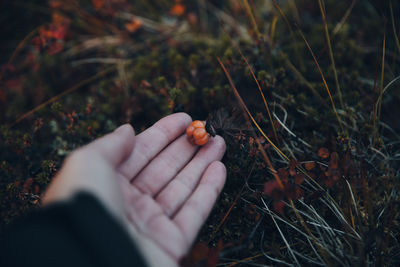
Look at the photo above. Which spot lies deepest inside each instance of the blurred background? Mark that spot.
(320, 79)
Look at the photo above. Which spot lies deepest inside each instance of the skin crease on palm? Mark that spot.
(158, 185)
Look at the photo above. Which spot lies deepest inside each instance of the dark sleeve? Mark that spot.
(76, 233)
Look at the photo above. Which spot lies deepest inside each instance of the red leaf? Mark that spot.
(346, 162)
(36, 189)
(309, 165)
(98, 4)
(213, 256)
(192, 18)
(298, 178)
(3, 96)
(28, 184)
(7, 68)
(299, 192)
(336, 176)
(55, 48)
(133, 25)
(199, 252)
(292, 167)
(283, 174)
(278, 207)
(177, 10)
(55, 4)
(334, 161)
(323, 153)
(329, 182)
(270, 187)
(290, 191)
(220, 245)
(60, 20)
(15, 84)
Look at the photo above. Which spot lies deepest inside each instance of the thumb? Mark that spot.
(114, 147)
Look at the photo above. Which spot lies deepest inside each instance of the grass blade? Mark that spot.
(283, 236)
(296, 50)
(378, 111)
(396, 38)
(323, 79)
(328, 41)
(344, 18)
(244, 107)
(253, 20)
(19, 47)
(302, 79)
(258, 86)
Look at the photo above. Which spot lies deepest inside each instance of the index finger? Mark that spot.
(152, 141)
(197, 207)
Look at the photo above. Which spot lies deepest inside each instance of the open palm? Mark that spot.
(168, 185)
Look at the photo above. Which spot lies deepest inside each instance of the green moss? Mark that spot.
(174, 93)
(228, 54)
(194, 60)
(42, 178)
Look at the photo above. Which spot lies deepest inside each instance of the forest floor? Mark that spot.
(305, 93)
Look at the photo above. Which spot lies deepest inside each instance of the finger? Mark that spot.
(165, 234)
(92, 168)
(114, 147)
(165, 166)
(179, 189)
(196, 209)
(148, 218)
(149, 143)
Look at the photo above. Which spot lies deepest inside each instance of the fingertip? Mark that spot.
(184, 116)
(180, 116)
(127, 134)
(115, 146)
(172, 126)
(220, 167)
(219, 142)
(216, 174)
(126, 129)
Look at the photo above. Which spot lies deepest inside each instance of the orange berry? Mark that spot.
(198, 124)
(199, 133)
(202, 141)
(189, 130)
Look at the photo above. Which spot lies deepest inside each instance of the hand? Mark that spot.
(157, 184)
